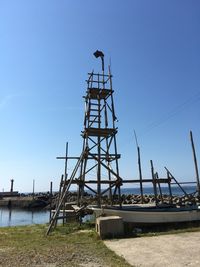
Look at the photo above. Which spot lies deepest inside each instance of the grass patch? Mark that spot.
(70, 245)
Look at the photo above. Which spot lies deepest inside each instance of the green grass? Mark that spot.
(70, 245)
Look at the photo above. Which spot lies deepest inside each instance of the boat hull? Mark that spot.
(151, 216)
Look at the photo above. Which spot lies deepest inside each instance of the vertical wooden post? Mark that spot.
(169, 187)
(33, 188)
(140, 169)
(65, 180)
(154, 182)
(195, 163)
(99, 152)
(159, 186)
(66, 160)
(11, 186)
(51, 189)
(140, 174)
(107, 152)
(51, 195)
(114, 118)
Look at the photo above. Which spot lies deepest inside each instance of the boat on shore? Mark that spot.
(150, 214)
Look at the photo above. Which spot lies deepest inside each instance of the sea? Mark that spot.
(16, 217)
(176, 190)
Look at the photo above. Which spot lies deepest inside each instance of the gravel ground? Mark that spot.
(54, 258)
(175, 250)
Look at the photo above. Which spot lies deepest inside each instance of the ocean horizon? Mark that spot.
(148, 190)
(176, 190)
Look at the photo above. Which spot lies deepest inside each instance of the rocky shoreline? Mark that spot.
(47, 201)
(187, 200)
(26, 201)
(164, 199)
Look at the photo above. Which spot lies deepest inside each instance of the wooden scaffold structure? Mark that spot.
(99, 157)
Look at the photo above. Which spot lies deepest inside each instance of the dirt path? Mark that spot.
(164, 250)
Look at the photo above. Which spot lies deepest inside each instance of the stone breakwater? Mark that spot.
(25, 201)
(18, 202)
(46, 201)
(165, 199)
(147, 199)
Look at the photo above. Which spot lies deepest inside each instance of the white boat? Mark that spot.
(143, 214)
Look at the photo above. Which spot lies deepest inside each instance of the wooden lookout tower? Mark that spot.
(97, 169)
(99, 158)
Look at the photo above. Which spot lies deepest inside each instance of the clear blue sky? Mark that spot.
(46, 50)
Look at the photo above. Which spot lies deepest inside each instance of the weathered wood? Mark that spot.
(154, 182)
(140, 168)
(159, 187)
(64, 194)
(169, 187)
(51, 191)
(176, 182)
(195, 163)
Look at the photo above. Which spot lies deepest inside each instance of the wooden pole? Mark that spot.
(159, 186)
(176, 182)
(66, 160)
(169, 187)
(51, 189)
(65, 180)
(54, 218)
(51, 195)
(195, 163)
(154, 182)
(99, 153)
(114, 118)
(140, 169)
(11, 187)
(33, 188)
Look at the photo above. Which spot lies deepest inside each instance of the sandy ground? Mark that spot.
(172, 250)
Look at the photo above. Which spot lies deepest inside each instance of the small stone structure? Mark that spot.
(110, 226)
